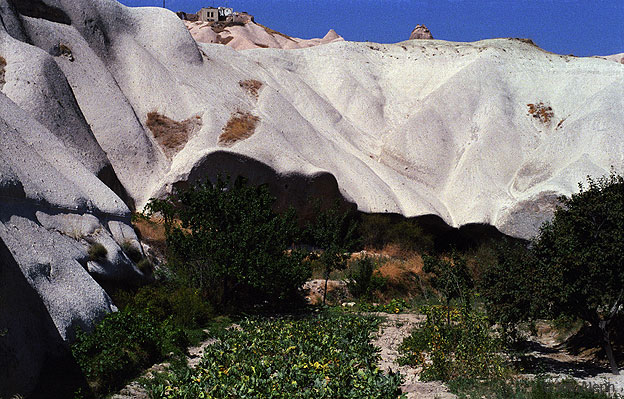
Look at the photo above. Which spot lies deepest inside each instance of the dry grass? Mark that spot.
(66, 52)
(540, 111)
(153, 233)
(3, 64)
(251, 86)
(396, 251)
(274, 32)
(171, 135)
(241, 126)
(405, 278)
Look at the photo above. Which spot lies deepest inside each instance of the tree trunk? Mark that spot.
(325, 290)
(606, 343)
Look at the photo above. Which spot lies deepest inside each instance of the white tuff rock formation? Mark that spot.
(99, 109)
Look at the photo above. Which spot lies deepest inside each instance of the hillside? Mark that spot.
(245, 36)
(100, 112)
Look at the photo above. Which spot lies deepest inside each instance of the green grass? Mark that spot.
(317, 356)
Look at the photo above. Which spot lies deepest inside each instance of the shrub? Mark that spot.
(362, 278)
(131, 251)
(97, 252)
(121, 346)
(145, 266)
(453, 343)
(225, 240)
(183, 305)
(394, 306)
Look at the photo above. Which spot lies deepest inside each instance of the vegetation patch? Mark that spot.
(543, 113)
(3, 65)
(453, 343)
(97, 252)
(241, 126)
(251, 86)
(121, 345)
(274, 32)
(325, 356)
(65, 51)
(172, 135)
(224, 239)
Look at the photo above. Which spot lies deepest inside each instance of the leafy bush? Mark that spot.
(183, 305)
(509, 285)
(97, 252)
(462, 347)
(314, 357)
(133, 253)
(362, 280)
(121, 345)
(225, 240)
(145, 266)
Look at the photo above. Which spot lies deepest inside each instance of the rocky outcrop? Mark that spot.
(420, 32)
(619, 58)
(100, 111)
(243, 34)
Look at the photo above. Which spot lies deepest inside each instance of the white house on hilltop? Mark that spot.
(212, 14)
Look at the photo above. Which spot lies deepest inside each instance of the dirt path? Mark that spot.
(550, 356)
(392, 332)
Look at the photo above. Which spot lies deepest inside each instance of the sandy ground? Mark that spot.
(550, 355)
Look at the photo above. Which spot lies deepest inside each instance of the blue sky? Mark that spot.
(580, 27)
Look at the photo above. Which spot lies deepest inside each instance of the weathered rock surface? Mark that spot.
(421, 32)
(619, 58)
(249, 35)
(484, 132)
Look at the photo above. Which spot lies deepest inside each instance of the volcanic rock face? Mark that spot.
(99, 110)
(421, 32)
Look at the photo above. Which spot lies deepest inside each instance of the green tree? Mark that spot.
(510, 284)
(451, 278)
(581, 252)
(225, 239)
(334, 232)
